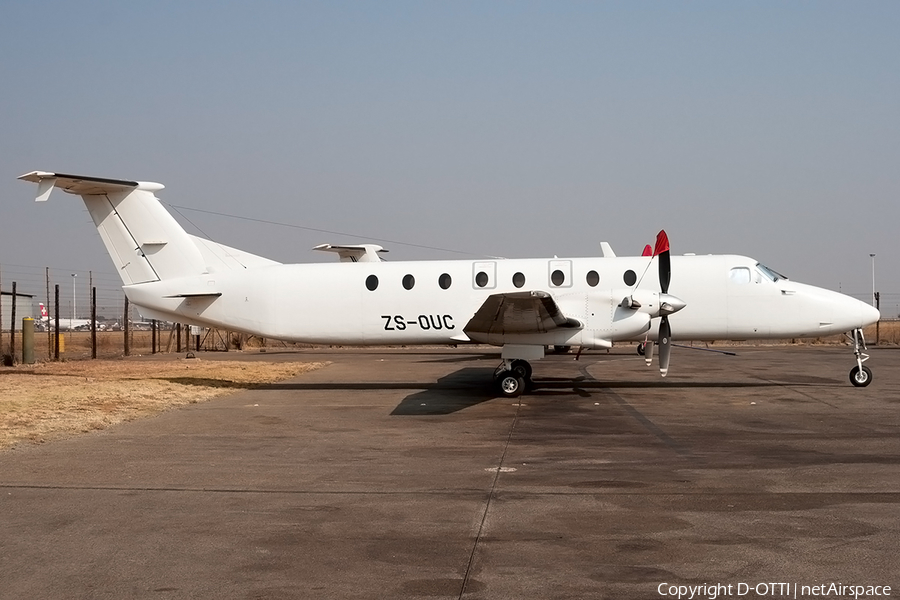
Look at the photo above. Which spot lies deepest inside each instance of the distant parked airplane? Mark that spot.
(64, 324)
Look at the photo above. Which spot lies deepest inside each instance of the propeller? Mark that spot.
(665, 275)
(667, 304)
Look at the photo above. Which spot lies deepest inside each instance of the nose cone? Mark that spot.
(669, 304)
(869, 315)
(828, 312)
(850, 313)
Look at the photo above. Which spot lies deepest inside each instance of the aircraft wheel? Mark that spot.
(522, 368)
(860, 378)
(640, 349)
(510, 384)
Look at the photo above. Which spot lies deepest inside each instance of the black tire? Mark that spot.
(640, 349)
(561, 349)
(522, 368)
(510, 384)
(860, 378)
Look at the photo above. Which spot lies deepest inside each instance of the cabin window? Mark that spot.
(593, 278)
(408, 282)
(518, 280)
(372, 283)
(740, 275)
(484, 275)
(630, 277)
(560, 273)
(444, 281)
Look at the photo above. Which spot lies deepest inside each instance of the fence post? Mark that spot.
(93, 322)
(28, 341)
(127, 319)
(56, 320)
(49, 333)
(153, 336)
(1, 313)
(12, 326)
(878, 322)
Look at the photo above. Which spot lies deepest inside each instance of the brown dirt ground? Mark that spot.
(56, 400)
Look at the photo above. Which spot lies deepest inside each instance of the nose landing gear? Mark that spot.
(860, 376)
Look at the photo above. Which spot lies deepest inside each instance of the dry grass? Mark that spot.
(56, 400)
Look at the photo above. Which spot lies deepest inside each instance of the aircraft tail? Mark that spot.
(44, 313)
(144, 241)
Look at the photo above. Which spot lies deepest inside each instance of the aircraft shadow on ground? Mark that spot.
(471, 386)
(456, 391)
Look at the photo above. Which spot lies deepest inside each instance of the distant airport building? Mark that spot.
(24, 308)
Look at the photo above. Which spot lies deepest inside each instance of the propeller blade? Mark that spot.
(662, 242)
(648, 251)
(665, 267)
(665, 345)
(648, 352)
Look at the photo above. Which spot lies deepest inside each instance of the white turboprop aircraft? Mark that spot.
(521, 305)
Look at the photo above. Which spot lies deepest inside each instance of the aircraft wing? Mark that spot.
(517, 313)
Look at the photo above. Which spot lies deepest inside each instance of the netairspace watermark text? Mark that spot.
(712, 591)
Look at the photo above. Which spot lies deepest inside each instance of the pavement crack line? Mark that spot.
(490, 498)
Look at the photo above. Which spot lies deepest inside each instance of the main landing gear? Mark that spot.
(512, 377)
(860, 376)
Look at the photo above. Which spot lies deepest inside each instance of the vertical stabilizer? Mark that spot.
(144, 241)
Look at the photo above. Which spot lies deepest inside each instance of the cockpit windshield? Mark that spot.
(769, 273)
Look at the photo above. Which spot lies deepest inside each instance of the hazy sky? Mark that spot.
(515, 129)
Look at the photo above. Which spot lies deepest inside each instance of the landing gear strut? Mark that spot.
(512, 376)
(860, 376)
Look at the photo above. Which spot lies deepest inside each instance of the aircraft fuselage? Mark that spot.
(726, 296)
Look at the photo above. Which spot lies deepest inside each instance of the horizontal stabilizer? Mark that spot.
(354, 253)
(83, 185)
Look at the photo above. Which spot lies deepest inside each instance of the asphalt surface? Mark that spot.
(399, 474)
